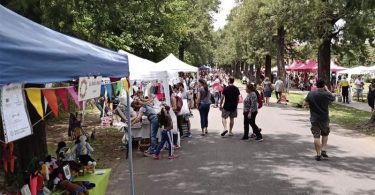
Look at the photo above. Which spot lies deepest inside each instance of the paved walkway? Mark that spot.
(282, 164)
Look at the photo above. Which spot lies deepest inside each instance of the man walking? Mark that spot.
(230, 98)
(318, 102)
(279, 87)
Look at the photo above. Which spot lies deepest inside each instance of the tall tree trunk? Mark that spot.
(280, 52)
(246, 69)
(181, 50)
(268, 66)
(237, 73)
(324, 61)
(251, 73)
(258, 72)
(34, 145)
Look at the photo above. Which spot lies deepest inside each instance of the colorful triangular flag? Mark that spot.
(63, 98)
(50, 95)
(74, 95)
(35, 97)
(126, 84)
(108, 87)
(119, 87)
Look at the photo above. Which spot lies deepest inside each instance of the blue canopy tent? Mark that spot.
(32, 53)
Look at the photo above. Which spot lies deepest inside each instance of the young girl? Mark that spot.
(165, 121)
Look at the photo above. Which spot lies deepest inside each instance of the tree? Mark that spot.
(340, 24)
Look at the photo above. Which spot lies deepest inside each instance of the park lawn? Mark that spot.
(344, 116)
(295, 99)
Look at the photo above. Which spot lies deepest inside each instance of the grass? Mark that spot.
(344, 116)
(295, 99)
(348, 117)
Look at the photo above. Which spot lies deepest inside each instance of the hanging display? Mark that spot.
(89, 87)
(16, 122)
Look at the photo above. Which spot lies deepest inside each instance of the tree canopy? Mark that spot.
(298, 29)
(151, 28)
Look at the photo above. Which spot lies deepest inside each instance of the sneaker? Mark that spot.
(203, 134)
(224, 132)
(230, 134)
(156, 157)
(253, 136)
(189, 136)
(324, 154)
(171, 157)
(176, 147)
(245, 139)
(318, 158)
(259, 139)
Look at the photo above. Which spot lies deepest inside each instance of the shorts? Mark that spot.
(359, 91)
(320, 129)
(225, 114)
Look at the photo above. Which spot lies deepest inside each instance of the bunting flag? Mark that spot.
(126, 84)
(102, 91)
(119, 87)
(63, 98)
(35, 98)
(109, 90)
(50, 95)
(74, 95)
(114, 89)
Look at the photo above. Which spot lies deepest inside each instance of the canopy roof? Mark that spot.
(143, 69)
(311, 65)
(32, 53)
(295, 64)
(356, 70)
(174, 65)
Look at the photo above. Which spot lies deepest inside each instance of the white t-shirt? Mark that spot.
(279, 86)
(358, 84)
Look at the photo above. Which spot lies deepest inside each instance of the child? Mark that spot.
(165, 121)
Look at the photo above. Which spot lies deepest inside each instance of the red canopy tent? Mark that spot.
(311, 65)
(295, 64)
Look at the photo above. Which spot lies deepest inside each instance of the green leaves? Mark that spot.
(149, 28)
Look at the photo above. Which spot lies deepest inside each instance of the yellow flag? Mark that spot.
(126, 84)
(35, 97)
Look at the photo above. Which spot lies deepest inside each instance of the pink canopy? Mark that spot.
(311, 65)
(295, 64)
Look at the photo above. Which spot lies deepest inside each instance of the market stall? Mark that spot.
(31, 53)
(143, 72)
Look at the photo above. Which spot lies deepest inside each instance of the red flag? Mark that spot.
(50, 95)
(62, 95)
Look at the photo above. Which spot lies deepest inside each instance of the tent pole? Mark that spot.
(130, 146)
(83, 111)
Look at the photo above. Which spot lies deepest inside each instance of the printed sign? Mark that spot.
(89, 87)
(15, 117)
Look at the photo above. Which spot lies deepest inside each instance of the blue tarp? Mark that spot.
(32, 53)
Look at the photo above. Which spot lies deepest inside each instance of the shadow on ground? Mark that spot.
(215, 165)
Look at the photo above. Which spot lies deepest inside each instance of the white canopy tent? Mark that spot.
(142, 69)
(357, 70)
(173, 65)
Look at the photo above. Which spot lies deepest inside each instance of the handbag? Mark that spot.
(240, 99)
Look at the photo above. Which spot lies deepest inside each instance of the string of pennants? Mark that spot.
(53, 94)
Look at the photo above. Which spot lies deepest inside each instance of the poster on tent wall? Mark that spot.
(89, 87)
(16, 122)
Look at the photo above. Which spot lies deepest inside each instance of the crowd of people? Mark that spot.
(219, 91)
